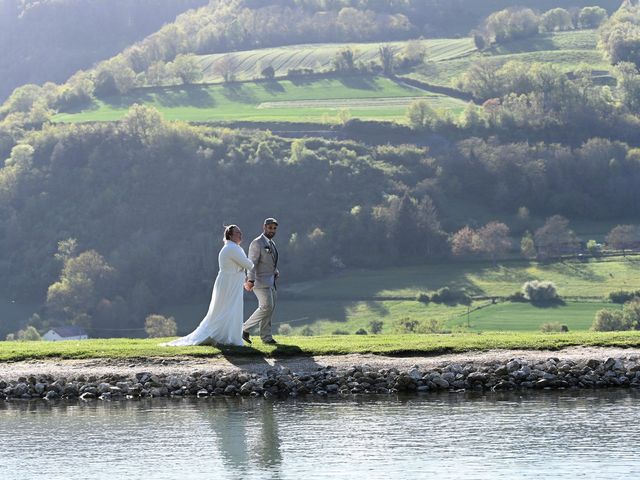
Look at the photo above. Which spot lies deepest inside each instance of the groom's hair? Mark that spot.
(228, 231)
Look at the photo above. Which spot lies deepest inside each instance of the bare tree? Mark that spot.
(624, 237)
(555, 237)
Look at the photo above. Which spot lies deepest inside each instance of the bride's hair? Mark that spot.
(228, 231)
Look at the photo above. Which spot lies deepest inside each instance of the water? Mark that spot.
(591, 435)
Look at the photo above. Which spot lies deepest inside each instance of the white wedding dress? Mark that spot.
(223, 322)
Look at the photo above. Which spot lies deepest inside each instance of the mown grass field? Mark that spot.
(323, 345)
(317, 100)
(248, 65)
(348, 302)
(564, 50)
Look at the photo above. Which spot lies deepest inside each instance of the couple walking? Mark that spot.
(257, 273)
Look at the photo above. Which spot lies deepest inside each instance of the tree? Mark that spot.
(387, 59)
(187, 68)
(556, 19)
(609, 321)
(158, 326)
(227, 67)
(628, 85)
(527, 245)
(591, 17)
(84, 281)
(555, 237)
(344, 60)
(539, 291)
(511, 24)
(375, 326)
(464, 241)
(29, 334)
(420, 115)
(114, 76)
(624, 237)
(268, 72)
(494, 239)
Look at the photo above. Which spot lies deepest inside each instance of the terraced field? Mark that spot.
(565, 50)
(247, 65)
(318, 100)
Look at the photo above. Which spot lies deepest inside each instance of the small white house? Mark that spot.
(67, 332)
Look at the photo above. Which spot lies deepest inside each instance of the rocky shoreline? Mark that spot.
(282, 381)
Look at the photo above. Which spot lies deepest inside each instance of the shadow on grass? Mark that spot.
(549, 303)
(188, 96)
(236, 92)
(302, 80)
(359, 82)
(272, 86)
(532, 44)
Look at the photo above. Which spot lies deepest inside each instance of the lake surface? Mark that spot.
(591, 435)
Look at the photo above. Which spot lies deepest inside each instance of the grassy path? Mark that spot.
(393, 345)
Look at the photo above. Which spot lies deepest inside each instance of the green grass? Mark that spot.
(523, 317)
(325, 345)
(318, 100)
(565, 50)
(248, 64)
(352, 300)
(593, 278)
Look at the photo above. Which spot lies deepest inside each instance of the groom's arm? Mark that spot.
(254, 256)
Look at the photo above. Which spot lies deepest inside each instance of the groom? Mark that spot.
(261, 280)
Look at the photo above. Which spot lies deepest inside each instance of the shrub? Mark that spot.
(339, 332)
(423, 298)
(517, 297)
(405, 325)
(431, 325)
(361, 331)
(622, 296)
(158, 326)
(448, 296)
(551, 327)
(28, 334)
(307, 331)
(609, 321)
(285, 329)
(375, 326)
(11, 337)
(631, 313)
(540, 291)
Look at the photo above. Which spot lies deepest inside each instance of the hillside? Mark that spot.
(309, 100)
(352, 300)
(318, 100)
(48, 41)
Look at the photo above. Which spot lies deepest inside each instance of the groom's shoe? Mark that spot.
(246, 337)
(271, 341)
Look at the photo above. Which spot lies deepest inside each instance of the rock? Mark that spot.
(51, 395)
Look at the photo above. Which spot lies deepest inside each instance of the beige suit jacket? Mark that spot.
(265, 263)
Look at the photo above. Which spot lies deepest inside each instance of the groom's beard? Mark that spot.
(269, 235)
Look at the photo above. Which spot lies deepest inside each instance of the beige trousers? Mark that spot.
(263, 314)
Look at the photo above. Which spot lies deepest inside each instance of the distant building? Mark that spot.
(67, 332)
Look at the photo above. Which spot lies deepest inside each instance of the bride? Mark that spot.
(223, 322)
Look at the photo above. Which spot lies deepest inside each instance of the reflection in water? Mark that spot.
(246, 434)
(530, 435)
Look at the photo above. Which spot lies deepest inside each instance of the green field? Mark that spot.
(325, 345)
(350, 301)
(564, 50)
(332, 100)
(247, 65)
(318, 100)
